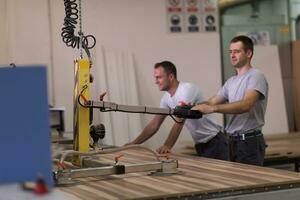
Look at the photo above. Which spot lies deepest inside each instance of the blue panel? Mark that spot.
(24, 125)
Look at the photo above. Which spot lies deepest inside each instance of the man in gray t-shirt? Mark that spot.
(244, 98)
(234, 90)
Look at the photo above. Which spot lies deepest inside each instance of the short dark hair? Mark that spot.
(168, 66)
(247, 42)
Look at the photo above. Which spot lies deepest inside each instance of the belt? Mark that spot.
(244, 136)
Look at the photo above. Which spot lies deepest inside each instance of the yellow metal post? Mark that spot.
(81, 118)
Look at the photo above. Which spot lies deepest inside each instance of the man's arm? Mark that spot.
(215, 100)
(250, 98)
(172, 138)
(149, 130)
(212, 101)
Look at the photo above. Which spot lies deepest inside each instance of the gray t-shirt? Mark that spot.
(234, 90)
(203, 129)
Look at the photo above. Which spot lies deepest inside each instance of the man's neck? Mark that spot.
(173, 88)
(243, 69)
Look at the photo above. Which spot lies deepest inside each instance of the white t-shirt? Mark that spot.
(203, 129)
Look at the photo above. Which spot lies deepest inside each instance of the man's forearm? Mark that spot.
(149, 130)
(202, 102)
(147, 133)
(232, 108)
(173, 135)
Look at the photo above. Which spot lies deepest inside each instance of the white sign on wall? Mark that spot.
(192, 15)
(210, 15)
(175, 22)
(175, 16)
(210, 22)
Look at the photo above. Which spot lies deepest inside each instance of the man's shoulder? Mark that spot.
(230, 79)
(188, 85)
(189, 92)
(257, 73)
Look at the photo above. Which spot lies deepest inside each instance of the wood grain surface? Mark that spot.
(283, 145)
(198, 176)
(279, 145)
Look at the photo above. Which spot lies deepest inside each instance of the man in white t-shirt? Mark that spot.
(209, 139)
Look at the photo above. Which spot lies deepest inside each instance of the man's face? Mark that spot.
(162, 79)
(238, 56)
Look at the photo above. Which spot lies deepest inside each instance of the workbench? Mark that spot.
(282, 149)
(198, 178)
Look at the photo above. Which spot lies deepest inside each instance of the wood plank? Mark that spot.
(274, 123)
(296, 82)
(198, 176)
(279, 145)
(283, 145)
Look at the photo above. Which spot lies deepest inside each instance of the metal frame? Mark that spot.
(67, 176)
(82, 136)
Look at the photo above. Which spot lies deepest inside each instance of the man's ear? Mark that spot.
(249, 53)
(171, 76)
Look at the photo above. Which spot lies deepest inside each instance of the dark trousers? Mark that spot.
(248, 149)
(216, 148)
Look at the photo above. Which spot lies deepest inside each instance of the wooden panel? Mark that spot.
(296, 82)
(266, 59)
(279, 145)
(198, 176)
(283, 145)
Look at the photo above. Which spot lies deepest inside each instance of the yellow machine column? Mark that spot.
(81, 118)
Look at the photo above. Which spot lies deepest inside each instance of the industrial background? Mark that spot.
(133, 35)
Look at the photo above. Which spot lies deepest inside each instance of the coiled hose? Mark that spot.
(68, 30)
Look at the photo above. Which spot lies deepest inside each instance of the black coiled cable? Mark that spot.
(68, 30)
